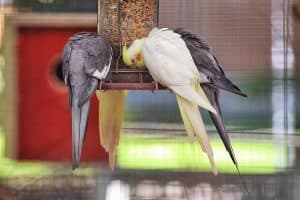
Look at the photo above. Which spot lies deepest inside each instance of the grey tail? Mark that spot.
(80, 116)
(213, 96)
(242, 178)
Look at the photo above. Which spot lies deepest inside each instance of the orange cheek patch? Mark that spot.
(138, 57)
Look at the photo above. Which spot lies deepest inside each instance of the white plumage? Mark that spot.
(170, 63)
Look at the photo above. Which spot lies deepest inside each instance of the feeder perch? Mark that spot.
(123, 21)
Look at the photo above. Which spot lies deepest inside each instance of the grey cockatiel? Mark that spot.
(86, 61)
(213, 78)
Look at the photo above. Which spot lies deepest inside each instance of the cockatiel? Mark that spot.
(86, 61)
(213, 79)
(132, 56)
(170, 63)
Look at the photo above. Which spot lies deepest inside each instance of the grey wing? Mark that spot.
(66, 56)
(192, 40)
(98, 56)
(207, 64)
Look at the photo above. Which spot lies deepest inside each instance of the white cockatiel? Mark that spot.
(170, 63)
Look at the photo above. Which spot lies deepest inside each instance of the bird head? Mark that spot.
(132, 56)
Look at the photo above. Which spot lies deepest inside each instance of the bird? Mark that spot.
(86, 60)
(170, 63)
(213, 80)
(132, 55)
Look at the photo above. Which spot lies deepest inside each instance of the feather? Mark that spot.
(186, 122)
(91, 86)
(189, 93)
(80, 115)
(207, 63)
(111, 111)
(171, 64)
(196, 122)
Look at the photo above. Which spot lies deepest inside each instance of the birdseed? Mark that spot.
(137, 18)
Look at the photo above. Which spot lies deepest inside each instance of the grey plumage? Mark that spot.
(207, 64)
(86, 61)
(213, 78)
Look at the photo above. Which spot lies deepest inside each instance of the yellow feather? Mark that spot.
(111, 106)
(186, 122)
(125, 56)
(190, 93)
(132, 56)
(194, 121)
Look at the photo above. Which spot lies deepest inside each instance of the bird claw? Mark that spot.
(155, 84)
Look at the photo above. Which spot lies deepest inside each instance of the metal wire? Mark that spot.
(119, 37)
(98, 17)
(286, 34)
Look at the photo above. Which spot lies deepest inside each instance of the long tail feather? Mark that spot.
(196, 122)
(111, 111)
(186, 121)
(218, 121)
(79, 124)
(189, 93)
(213, 96)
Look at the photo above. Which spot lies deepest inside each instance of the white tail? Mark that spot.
(194, 124)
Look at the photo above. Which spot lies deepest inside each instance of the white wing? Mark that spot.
(171, 64)
(168, 59)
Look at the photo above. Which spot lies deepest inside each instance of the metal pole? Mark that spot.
(98, 18)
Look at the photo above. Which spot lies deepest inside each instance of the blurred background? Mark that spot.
(258, 46)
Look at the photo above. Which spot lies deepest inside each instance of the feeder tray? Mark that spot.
(123, 22)
(130, 79)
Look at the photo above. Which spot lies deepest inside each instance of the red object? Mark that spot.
(44, 115)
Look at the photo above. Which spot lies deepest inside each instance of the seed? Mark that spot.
(137, 18)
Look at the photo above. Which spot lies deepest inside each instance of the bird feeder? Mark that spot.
(123, 21)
